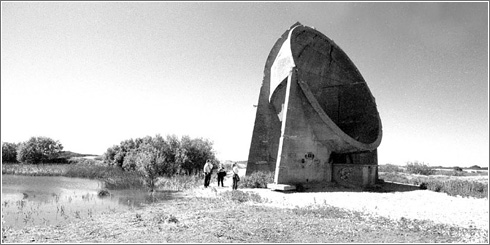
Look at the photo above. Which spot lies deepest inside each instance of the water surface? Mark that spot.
(47, 200)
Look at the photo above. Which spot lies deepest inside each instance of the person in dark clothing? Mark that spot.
(221, 175)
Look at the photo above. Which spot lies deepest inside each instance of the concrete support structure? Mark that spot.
(316, 119)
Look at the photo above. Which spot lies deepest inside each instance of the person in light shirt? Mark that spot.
(208, 167)
(236, 178)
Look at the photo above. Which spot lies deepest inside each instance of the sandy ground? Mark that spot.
(413, 204)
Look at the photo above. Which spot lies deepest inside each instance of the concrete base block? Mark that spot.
(281, 187)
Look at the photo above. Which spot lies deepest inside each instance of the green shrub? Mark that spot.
(38, 150)
(185, 155)
(257, 179)
(9, 152)
(419, 168)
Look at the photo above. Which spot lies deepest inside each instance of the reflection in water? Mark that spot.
(43, 200)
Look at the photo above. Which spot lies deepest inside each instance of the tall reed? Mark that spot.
(113, 177)
(179, 182)
(35, 169)
(453, 187)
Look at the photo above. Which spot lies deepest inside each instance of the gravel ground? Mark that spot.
(414, 204)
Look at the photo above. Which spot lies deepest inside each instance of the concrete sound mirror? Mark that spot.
(316, 119)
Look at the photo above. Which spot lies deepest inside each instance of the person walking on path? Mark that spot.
(221, 174)
(236, 178)
(208, 167)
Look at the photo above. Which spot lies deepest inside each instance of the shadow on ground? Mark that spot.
(333, 187)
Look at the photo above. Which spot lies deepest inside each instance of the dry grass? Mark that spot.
(224, 220)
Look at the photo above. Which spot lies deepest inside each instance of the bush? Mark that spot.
(257, 179)
(152, 163)
(419, 168)
(9, 152)
(457, 169)
(38, 150)
(187, 155)
(103, 193)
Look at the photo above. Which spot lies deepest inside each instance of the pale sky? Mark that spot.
(91, 74)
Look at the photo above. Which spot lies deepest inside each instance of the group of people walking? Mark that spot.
(208, 171)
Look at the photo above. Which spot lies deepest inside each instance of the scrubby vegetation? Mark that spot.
(155, 157)
(390, 168)
(425, 176)
(132, 163)
(419, 168)
(113, 177)
(33, 151)
(35, 169)
(229, 219)
(257, 179)
(179, 182)
(9, 152)
(237, 196)
(37, 150)
(171, 155)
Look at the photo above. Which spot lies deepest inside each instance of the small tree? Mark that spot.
(109, 155)
(151, 164)
(9, 152)
(38, 150)
(195, 152)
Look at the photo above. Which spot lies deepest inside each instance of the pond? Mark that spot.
(46, 200)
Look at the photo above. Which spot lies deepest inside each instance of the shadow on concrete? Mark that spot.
(384, 187)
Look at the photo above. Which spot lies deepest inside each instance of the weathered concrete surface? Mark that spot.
(315, 111)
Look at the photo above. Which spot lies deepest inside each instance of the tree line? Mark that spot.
(152, 155)
(33, 151)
